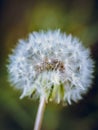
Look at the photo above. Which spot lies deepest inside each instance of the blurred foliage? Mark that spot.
(20, 17)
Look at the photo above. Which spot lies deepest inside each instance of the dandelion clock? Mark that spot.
(51, 67)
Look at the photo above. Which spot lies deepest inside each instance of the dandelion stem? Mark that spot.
(40, 114)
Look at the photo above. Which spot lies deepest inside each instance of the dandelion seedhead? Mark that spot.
(52, 65)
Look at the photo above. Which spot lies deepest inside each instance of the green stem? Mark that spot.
(40, 114)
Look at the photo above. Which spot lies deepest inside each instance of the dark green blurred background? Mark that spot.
(17, 19)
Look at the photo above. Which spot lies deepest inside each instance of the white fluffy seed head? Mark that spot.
(51, 64)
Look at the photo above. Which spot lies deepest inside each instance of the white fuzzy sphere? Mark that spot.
(51, 65)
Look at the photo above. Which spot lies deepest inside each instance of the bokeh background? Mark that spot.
(20, 17)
